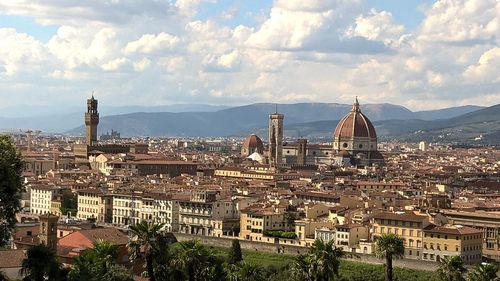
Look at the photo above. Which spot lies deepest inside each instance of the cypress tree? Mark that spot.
(235, 255)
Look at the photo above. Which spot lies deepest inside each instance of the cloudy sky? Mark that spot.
(422, 54)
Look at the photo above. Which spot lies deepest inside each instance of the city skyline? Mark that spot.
(420, 54)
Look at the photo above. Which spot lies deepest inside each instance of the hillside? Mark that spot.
(481, 127)
(242, 119)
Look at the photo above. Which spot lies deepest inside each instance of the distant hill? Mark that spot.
(234, 120)
(481, 126)
(312, 120)
(445, 112)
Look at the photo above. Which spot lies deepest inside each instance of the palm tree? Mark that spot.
(321, 263)
(451, 269)
(40, 264)
(193, 260)
(98, 263)
(299, 269)
(105, 252)
(326, 260)
(389, 246)
(483, 272)
(143, 242)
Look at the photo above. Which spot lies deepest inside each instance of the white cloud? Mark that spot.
(142, 64)
(376, 26)
(114, 64)
(320, 50)
(18, 50)
(462, 21)
(149, 43)
(487, 68)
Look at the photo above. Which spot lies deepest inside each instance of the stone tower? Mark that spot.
(301, 151)
(91, 121)
(276, 139)
(48, 231)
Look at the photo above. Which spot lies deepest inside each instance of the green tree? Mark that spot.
(300, 269)
(197, 262)
(235, 254)
(98, 263)
(143, 243)
(244, 272)
(451, 269)
(11, 186)
(325, 259)
(389, 246)
(116, 273)
(163, 256)
(321, 263)
(483, 272)
(41, 264)
(69, 203)
(290, 218)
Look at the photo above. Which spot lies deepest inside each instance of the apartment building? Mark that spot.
(406, 225)
(41, 198)
(487, 222)
(348, 236)
(203, 213)
(89, 201)
(161, 208)
(256, 220)
(453, 240)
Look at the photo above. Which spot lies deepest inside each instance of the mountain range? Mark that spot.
(312, 120)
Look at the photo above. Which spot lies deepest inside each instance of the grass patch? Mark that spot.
(349, 270)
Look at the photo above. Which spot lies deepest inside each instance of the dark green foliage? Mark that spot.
(451, 269)
(143, 244)
(41, 264)
(98, 264)
(321, 263)
(235, 255)
(198, 262)
(483, 272)
(69, 203)
(389, 246)
(11, 166)
(290, 219)
(280, 234)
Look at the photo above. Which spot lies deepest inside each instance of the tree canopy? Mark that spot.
(11, 186)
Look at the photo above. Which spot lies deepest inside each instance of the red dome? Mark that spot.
(355, 124)
(252, 144)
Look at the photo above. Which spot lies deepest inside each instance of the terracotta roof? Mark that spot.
(400, 217)
(112, 235)
(253, 141)
(355, 124)
(455, 229)
(11, 258)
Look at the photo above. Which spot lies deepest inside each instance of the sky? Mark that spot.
(420, 54)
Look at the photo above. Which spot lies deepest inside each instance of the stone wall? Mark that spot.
(247, 245)
(294, 250)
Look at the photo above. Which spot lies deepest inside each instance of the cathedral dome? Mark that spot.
(252, 144)
(355, 125)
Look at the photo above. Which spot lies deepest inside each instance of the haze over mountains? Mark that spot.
(313, 120)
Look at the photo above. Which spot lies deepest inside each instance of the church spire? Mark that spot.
(355, 106)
